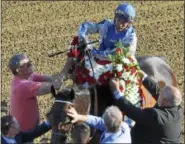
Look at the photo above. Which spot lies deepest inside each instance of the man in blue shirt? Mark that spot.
(118, 30)
(11, 133)
(111, 124)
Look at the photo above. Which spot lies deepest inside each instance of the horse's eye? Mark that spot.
(67, 107)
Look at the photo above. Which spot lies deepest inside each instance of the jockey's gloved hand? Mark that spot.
(83, 41)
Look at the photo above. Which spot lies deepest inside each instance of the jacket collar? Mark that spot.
(112, 137)
(8, 140)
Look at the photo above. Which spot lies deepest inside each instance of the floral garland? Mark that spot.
(122, 66)
(126, 67)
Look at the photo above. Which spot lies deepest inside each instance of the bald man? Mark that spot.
(158, 125)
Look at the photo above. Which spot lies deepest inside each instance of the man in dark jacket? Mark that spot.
(10, 131)
(158, 125)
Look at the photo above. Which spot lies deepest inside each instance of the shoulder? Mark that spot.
(26, 87)
(131, 30)
(29, 84)
(91, 118)
(125, 126)
(125, 136)
(19, 137)
(35, 77)
(106, 21)
(166, 115)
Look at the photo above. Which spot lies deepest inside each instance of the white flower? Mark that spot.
(126, 60)
(126, 75)
(132, 78)
(119, 67)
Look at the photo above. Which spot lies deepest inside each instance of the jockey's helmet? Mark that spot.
(125, 12)
(14, 62)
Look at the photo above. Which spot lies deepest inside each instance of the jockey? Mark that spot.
(111, 31)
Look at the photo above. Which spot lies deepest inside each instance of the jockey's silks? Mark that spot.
(113, 36)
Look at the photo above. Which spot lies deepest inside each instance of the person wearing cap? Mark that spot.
(118, 30)
(160, 124)
(111, 31)
(25, 87)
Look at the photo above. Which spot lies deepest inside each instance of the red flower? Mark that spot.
(75, 52)
(119, 74)
(121, 88)
(133, 70)
(104, 78)
(126, 67)
(118, 50)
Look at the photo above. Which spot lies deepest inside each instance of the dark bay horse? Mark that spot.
(64, 99)
(100, 95)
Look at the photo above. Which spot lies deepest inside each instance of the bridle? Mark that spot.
(66, 102)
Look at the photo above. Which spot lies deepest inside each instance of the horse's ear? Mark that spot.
(72, 94)
(161, 84)
(53, 91)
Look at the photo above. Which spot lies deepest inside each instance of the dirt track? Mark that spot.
(39, 28)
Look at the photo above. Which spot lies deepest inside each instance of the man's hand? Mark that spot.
(82, 42)
(114, 85)
(75, 116)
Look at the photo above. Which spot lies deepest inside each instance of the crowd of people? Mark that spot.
(157, 125)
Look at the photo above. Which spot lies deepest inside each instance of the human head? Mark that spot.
(81, 133)
(19, 64)
(112, 118)
(169, 96)
(124, 16)
(9, 126)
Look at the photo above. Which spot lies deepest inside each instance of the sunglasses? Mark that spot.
(28, 64)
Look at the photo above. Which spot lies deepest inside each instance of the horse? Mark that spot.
(61, 123)
(101, 97)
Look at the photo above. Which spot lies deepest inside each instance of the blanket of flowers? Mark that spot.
(126, 68)
(120, 65)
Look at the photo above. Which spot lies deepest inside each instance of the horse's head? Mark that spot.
(61, 123)
(65, 98)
